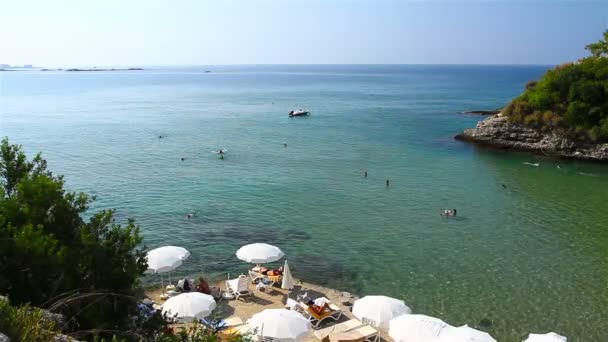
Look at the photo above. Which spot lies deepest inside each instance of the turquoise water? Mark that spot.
(529, 258)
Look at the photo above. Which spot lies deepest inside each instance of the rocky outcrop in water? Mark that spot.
(496, 131)
(482, 112)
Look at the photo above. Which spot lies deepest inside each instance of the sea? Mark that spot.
(528, 251)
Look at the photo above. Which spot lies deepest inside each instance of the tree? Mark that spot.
(51, 256)
(576, 95)
(600, 48)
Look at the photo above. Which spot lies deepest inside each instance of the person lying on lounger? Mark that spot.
(318, 309)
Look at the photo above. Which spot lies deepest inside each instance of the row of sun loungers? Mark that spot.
(349, 331)
(352, 330)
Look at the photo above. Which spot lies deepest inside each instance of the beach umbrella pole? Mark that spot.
(162, 285)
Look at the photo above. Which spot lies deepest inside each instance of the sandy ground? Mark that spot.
(245, 307)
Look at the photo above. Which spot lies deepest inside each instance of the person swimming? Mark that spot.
(189, 216)
(182, 158)
(449, 212)
(388, 183)
(365, 174)
(222, 156)
(284, 145)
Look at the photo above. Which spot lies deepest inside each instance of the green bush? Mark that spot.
(52, 258)
(573, 98)
(25, 323)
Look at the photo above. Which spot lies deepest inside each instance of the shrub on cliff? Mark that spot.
(575, 95)
(25, 323)
(51, 256)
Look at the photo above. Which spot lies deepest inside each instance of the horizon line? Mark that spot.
(34, 66)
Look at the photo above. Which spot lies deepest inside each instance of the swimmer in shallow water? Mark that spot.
(189, 216)
(449, 212)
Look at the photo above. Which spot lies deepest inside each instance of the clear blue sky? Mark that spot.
(197, 32)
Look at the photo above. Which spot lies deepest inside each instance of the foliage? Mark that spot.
(572, 98)
(198, 333)
(25, 323)
(600, 48)
(51, 256)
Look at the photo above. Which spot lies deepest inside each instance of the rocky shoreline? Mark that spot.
(496, 131)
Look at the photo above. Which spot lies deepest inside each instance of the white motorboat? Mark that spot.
(299, 112)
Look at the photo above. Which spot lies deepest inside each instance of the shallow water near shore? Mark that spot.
(530, 257)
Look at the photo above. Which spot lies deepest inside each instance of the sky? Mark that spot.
(213, 32)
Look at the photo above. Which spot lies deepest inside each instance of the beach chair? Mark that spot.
(369, 321)
(220, 325)
(323, 334)
(255, 276)
(243, 329)
(291, 304)
(238, 287)
(270, 339)
(316, 319)
(362, 333)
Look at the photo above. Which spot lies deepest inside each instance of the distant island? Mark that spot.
(98, 69)
(563, 114)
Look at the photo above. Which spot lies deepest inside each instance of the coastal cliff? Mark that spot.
(564, 113)
(497, 131)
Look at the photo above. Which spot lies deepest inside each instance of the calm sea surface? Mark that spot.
(529, 258)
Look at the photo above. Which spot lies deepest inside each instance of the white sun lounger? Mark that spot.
(324, 333)
(362, 333)
(238, 287)
(316, 319)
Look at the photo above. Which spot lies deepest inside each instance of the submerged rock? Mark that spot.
(497, 131)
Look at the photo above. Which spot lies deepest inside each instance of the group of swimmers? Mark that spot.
(388, 182)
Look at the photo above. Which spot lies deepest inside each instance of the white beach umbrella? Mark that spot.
(417, 328)
(287, 282)
(379, 309)
(189, 306)
(465, 334)
(259, 253)
(285, 325)
(548, 337)
(166, 259)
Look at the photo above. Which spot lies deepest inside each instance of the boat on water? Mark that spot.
(299, 112)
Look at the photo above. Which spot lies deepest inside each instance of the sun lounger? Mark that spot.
(255, 276)
(238, 287)
(323, 334)
(243, 329)
(362, 333)
(224, 324)
(316, 319)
